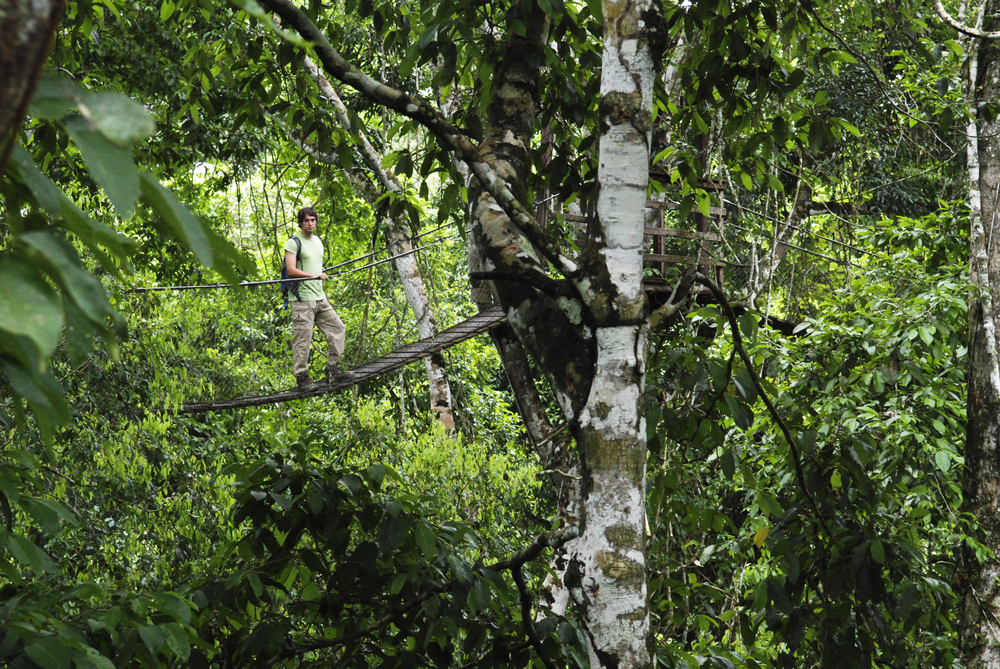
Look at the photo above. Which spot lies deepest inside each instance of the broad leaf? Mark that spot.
(50, 652)
(30, 555)
(110, 164)
(117, 117)
(185, 225)
(28, 306)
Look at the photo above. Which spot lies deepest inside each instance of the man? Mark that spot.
(310, 307)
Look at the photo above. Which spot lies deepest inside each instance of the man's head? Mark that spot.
(307, 220)
(306, 211)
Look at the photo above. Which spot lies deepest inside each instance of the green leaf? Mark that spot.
(769, 504)
(596, 9)
(177, 640)
(119, 118)
(41, 389)
(906, 601)
(428, 36)
(397, 584)
(878, 551)
(50, 652)
(943, 461)
(47, 513)
(54, 97)
(28, 306)
(399, 530)
(728, 462)
(748, 326)
(64, 264)
(255, 583)
(737, 411)
(779, 595)
(425, 539)
(28, 554)
(153, 637)
(704, 202)
(925, 334)
(167, 10)
(186, 227)
(460, 568)
(55, 202)
(174, 605)
(110, 164)
(850, 128)
(98, 660)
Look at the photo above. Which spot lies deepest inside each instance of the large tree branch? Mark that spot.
(422, 112)
(365, 148)
(971, 32)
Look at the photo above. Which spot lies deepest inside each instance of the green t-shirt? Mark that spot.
(311, 262)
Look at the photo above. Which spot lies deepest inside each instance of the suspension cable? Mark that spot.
(252, 284)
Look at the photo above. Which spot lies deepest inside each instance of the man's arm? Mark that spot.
(296, 273)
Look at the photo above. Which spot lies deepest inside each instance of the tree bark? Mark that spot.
(588, 336)
(398, 240)
(26, 31)
(980, 627)
(607, 572)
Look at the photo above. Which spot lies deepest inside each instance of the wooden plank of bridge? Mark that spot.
(401, 357)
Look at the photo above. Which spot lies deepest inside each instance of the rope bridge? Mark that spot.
(225, 347)
(401, 357)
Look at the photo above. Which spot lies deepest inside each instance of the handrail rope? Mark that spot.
(149, 289)
(797, 248)
(846, 263)
(385, 248)
(808, 232)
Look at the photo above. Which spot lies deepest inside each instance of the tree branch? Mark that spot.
(664, 314)
(971, 32)
(26, 31)
(529, 627)
(419, 110)
(738, 345)
(546, 284)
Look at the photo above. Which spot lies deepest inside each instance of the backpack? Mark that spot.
(291, 286)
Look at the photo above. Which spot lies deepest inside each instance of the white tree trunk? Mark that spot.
(607, 574)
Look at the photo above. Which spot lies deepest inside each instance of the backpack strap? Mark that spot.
(291, 286)
(298, 264)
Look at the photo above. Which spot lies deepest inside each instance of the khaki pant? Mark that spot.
(320, 313)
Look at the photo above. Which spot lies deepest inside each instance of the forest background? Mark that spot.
(811, 496)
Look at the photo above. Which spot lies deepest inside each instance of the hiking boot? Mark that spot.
(304, 383)
(334, 374)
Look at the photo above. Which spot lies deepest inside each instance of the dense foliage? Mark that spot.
(804, 494)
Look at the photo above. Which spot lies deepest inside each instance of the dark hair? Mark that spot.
(306, 211)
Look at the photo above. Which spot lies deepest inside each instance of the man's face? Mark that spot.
(308, 224)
